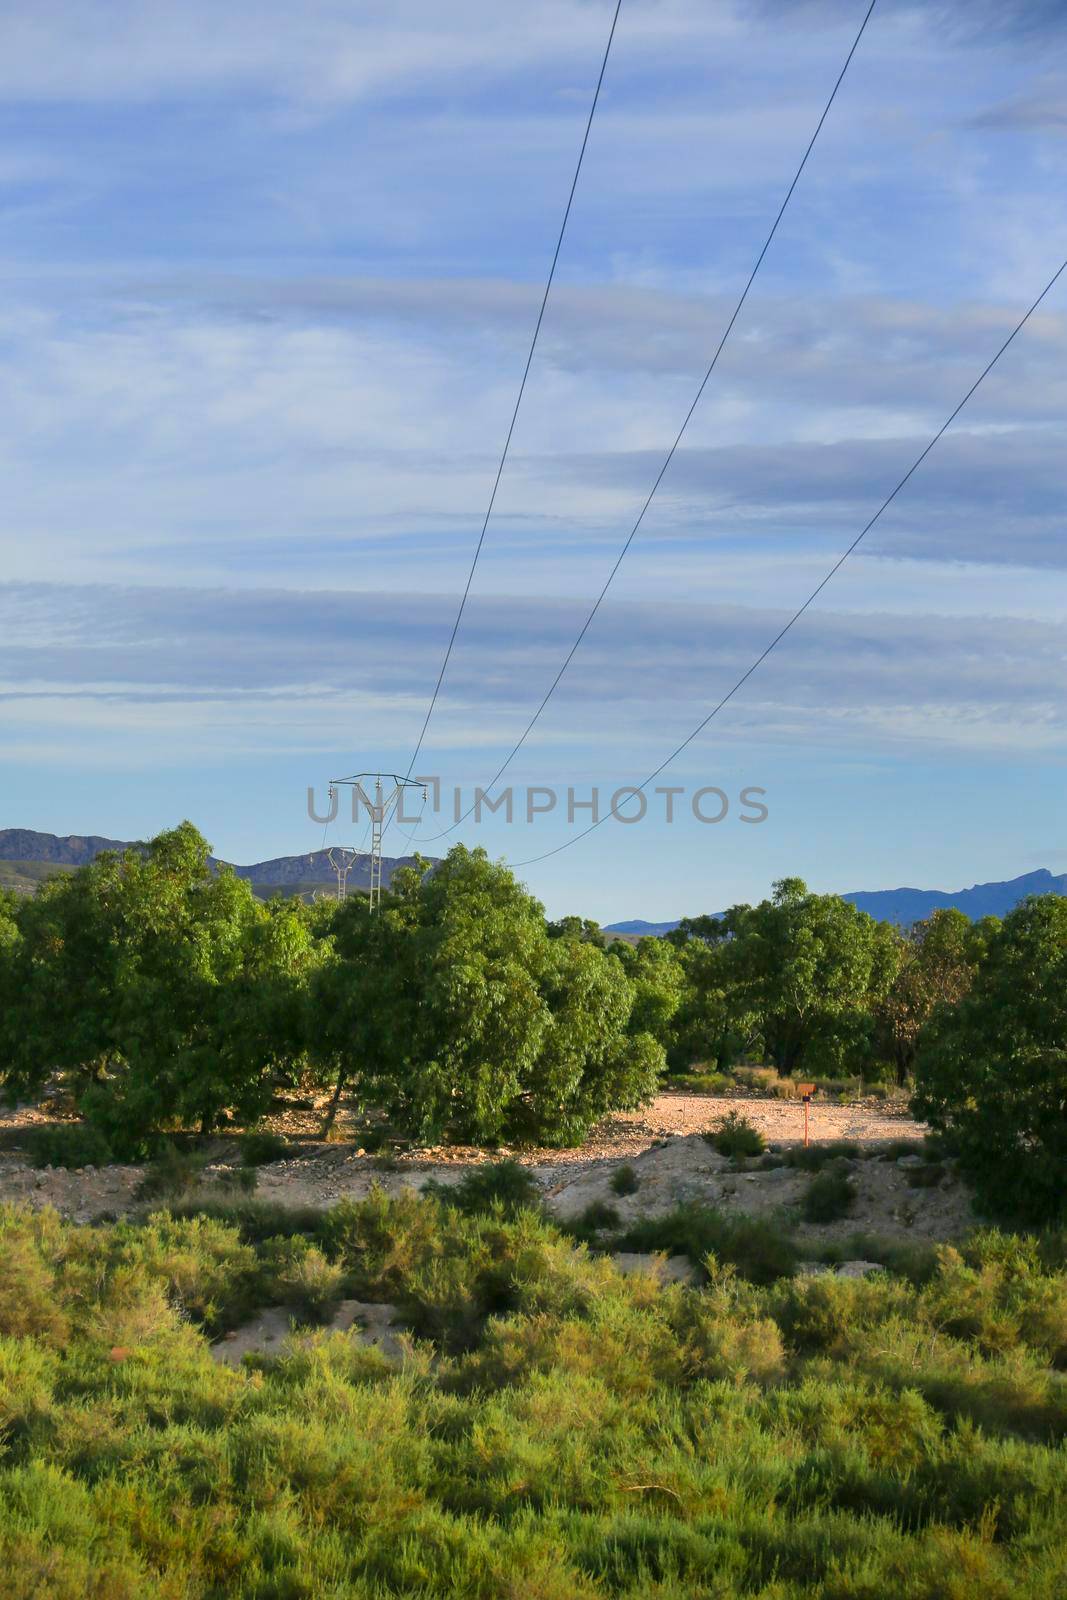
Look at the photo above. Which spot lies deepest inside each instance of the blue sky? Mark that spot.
(269, 277)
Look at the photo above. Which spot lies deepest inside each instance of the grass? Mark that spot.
(565, 1432)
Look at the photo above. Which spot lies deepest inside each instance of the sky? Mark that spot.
(269, 277)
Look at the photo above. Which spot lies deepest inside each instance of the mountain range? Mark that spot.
(905, 906)
(26, 857)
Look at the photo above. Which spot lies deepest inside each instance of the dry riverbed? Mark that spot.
(663, 1143)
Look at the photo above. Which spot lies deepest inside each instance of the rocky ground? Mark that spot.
(664, 1144)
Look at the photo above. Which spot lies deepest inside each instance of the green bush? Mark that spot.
(172, 1175)
(68, 1144)
(590, 1224)
(503, 1185)
(814, 1157)
(259, 1147)
(243, 1180)
(761, 1251)
(990, 1072)
(574, 1433)
(302, 1277)
(624, 1180)
(735, 1136)
(829, 1197)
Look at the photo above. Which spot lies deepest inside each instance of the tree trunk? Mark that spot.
(335, 1098)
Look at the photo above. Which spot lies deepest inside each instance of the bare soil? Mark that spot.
(664, 1144)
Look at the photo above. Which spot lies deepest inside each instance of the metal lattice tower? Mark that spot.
(377, 808)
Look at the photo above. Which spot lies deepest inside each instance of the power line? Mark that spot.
(838, 564)
(568, 658)
(518, 400)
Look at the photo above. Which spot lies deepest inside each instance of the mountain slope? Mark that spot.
(905, 906)
(27, 857)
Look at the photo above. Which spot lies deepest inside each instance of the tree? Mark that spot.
(991, 1071)
(584, 928)
(657, 976)
(932, 964)
(803, 966)
(160, 990)
(458, 1013)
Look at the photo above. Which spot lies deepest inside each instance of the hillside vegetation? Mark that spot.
(556, 1430)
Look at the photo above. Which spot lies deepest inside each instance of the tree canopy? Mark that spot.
(991, 1070)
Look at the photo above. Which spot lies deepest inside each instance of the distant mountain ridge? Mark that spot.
(905, 906)
(23, 848)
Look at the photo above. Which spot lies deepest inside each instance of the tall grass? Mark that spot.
(556, 1430)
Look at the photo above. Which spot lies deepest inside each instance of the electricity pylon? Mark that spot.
(377, 810)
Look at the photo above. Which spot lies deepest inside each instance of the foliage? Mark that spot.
(813, 1439)
(813, 1157)
(829, 1196)
(458, 1014)
(991, 1072)
(160, 990)
(934, 964)
(172, 1175)
(805, 965)
(504, 1185)
(736, 1136)
(760, 1250)
(624, 1180)
(657, 976)
(67, 1144)
(259, 1147)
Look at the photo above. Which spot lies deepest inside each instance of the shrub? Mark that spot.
(762, 1251)
(242, 1179)
(595, 1220)
(759, 1079)
(735, 1136)
(500, 1185)
(815, 1157)
(29, 1305)
(624, 1180)
(829, 1197)
(306, 1280)
(926, 1177)
(590, 1434)
(172, 1175)
(68, 1144)
(259, 1147)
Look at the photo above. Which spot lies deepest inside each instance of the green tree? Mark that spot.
(584, 928)
(805, 967)
(657, 976)
(159, 989)
(932, 964)
(457, 1013)
(991, 1071)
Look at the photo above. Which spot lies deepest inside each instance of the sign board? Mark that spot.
(806, 1090)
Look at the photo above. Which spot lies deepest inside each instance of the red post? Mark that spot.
(806, 1092)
